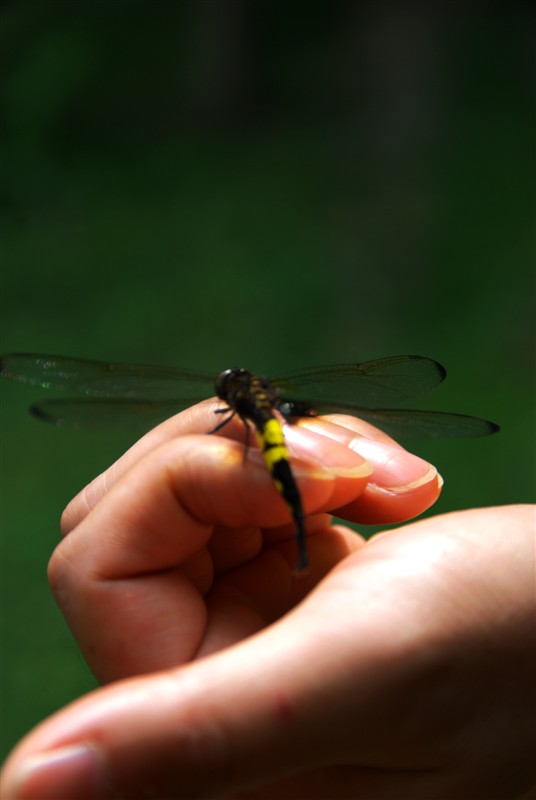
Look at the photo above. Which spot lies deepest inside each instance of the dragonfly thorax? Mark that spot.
(247, 394)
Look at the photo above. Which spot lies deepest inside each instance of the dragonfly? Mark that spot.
(115, 394)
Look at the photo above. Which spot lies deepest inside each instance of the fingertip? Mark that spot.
(401, 485)
(394, 468)
(381, 505)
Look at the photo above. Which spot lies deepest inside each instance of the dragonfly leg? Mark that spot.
(224, 422)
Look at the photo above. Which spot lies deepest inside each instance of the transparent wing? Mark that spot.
(135, 395)
(401, 423)
(108, 413)
(366, 385)
(100, 379)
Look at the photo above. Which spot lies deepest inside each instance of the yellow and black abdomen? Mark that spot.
(276, 457)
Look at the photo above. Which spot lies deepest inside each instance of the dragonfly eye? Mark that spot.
(229, 381)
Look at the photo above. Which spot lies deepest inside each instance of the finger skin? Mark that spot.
(398, 676)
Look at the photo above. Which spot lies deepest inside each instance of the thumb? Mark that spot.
(242, 716)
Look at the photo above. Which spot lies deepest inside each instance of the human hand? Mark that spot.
(307, 675)
(161, 535)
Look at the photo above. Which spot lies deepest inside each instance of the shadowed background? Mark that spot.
(265, 184)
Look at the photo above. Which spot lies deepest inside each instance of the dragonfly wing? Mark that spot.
(403, 423)
(108, 413)
(367, 385)
(106, 380)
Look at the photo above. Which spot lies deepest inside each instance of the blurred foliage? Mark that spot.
(269, 184)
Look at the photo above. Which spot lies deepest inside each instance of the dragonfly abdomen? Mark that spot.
(276, 457)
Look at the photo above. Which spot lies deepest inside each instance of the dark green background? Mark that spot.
(268, 184)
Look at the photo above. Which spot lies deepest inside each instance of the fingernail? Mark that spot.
(73, 772)
(335, 459)
(394, 468)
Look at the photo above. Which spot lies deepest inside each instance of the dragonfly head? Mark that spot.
(230, 380)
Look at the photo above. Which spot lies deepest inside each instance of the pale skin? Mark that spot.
(400, 668)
